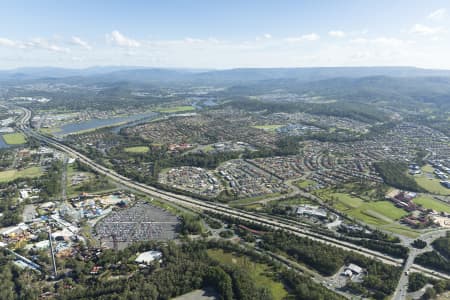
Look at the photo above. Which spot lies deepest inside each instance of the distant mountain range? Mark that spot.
(149, 75)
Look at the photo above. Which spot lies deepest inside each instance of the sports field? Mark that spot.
(138, 149)
(10, 175)
(176, 109)
(268, 127)
(14, 138)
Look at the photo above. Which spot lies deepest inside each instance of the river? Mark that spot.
(71, 128)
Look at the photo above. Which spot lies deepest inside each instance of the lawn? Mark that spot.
(431, 203)
(400, 229)
(271, 128)
(428, 169)
(305, 183)
(10, 175)
(261, 274)
(429, 182)
(176, 109)
(14, 138)
(432, 185)
(251, 200)
(50, 130)
(347, 200)
(137, 149)
(378, 213)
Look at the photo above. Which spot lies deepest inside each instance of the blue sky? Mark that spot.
(224, 34)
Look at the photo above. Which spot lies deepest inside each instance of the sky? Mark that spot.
(215, 34)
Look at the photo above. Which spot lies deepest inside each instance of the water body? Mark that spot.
(134, 123)
(98, 123)
(3, 144)
(200, 104)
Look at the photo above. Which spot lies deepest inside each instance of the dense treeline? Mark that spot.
(10, 209)
(353, 110)
(50, 182)
(373, 235)
(379, 282)
(184, 268)
(394, 250)
(419, 244)
(416, 281)
(326, 260)
(439, 258)
(442, 245)
(434, 260)
(394, 174)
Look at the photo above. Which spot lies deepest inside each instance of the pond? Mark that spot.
(200, 104)
(3, 144)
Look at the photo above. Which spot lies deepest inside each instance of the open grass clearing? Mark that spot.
(251, 200)
(427, 169)
(176, 109)
(431, 203)
(271, 128)
(137, 149)
(303, 184)
(51, 130)
(14, 138)
(10, 175)
(261, 274)
(401, 229)
(382, 214)
(432, 185)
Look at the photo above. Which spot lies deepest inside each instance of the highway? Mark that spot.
(221, 209)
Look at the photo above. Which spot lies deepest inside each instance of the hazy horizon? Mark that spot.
(226, 35)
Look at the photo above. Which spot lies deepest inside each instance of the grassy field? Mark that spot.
(14, 138)
(373, 212)
(305, 183)
(10, 175)
(427, 181)
(261, 274)
(271, 128)
(428, 169)
(175, 109)
(400, 229)
(292, 201)
(382, 214)
(245, 201)
(432, 185)
(431, 203)
(138, 149)
(50, 130)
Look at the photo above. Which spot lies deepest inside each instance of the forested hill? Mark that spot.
(144, 74)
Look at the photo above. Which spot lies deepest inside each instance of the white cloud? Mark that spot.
(438, 14)
(190, 40)
(36, 43)
(39, 43)
(425, 30)
(336, 33)
(8, 43)
(387, 42)
(120, 40)
(79, 42)
(265, 36)
(306, 37)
